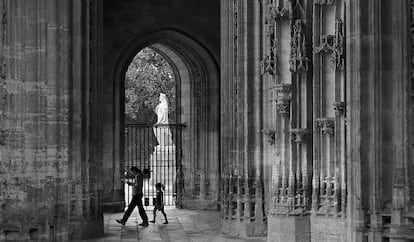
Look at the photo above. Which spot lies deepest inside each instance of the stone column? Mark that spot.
(291, 188)
(380, 204)
(243, 207)
(400, 79)
(50, 182)
(329, 168)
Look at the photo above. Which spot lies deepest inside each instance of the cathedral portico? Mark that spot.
(296, 116)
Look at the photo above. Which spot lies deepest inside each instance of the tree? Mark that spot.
(148, 75)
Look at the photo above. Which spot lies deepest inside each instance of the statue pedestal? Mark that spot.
(164, 137)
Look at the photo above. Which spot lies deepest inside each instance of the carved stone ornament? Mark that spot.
(327, 43)
(3, 137)
(3, 102)
(271, 35)
(267, 66)
(299, 135)
(335, 44)
(327, 125)
(298, 60)
(324, 2)
(283, 97)
(271, 135)
(339, 108)
(283, 91)
(283, 108)
(339, 44)
(280, 13)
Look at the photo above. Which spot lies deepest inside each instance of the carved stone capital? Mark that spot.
(299, 135)
(327, 125)
(270, 134)
(339, 108)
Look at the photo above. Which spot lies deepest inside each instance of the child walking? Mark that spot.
(159, 202)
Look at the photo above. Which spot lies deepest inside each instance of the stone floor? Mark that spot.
(184, 226)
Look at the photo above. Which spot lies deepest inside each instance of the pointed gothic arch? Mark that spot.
(197, 76)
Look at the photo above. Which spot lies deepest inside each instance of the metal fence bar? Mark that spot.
(160, 163)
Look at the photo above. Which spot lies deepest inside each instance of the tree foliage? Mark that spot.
(148, 75)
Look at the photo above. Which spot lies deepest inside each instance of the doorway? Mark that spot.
(197, 91)
(153, 135)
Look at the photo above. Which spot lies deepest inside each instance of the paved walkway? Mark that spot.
(184, 226)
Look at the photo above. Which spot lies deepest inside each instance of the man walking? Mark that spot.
(136, 198)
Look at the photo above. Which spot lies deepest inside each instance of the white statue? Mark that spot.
(161, 129)
(162, 110)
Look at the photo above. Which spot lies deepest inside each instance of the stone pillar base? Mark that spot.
(325, 229)
(243, 229)
(114, 207)
(81, 229)
(289, 228)
(114, 202)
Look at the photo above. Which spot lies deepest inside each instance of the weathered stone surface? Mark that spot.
(292, 228)
(46, 192)
(327, 229)
(328, 83)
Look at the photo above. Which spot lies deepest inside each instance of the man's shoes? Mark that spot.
(120, 221)
(166, 222)
(144, 224)
(152, 221)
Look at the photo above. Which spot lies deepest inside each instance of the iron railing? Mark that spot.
(157, 152)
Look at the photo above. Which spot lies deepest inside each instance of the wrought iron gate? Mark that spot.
(157, 152)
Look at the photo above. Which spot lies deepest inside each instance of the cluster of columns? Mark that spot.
(243, 190)
(327, 86)
(49, 150)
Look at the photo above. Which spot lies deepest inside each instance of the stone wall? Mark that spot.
(333, 80)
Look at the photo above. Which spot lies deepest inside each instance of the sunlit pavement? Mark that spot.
(184, 225)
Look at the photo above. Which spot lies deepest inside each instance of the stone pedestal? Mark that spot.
(325, 229)
(289, 228)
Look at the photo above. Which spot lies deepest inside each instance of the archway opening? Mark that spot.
(153, 135)
(197, 91)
